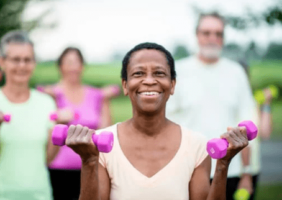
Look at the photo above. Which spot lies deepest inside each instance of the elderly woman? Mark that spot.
(152, 157)
(93, 111)
(23, 141)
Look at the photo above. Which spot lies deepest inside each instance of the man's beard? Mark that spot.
(210, 51)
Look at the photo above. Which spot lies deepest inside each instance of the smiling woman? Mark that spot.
(152, 157)
(23, 141)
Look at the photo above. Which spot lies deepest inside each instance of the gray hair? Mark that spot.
(18, 37)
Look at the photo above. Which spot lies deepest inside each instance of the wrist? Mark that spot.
(247, 170)
(90, 161)
(222, 165)
(266, 108)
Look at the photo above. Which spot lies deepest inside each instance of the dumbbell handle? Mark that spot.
(217, 148)
(103, 141)
(7, 117)
(54, 116)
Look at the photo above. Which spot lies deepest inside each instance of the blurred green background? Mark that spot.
(262, 74)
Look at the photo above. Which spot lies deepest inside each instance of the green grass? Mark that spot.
(266, 73)
(95, 74)
(269, 192)
(121, 109)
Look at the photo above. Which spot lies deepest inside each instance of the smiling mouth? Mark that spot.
(150, 94)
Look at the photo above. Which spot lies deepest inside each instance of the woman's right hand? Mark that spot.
(268, 95)
(79, 139)
(65, 116)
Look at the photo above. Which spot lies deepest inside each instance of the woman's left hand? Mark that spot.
(268, 96)
(237, 139)
(111, 91)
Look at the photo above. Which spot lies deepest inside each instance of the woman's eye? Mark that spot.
(138, 74)
(159, 73)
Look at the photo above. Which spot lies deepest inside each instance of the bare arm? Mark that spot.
(95, 182)
(105, 114)
(52, 150)
(201, 176)
(49, 90)
(246, 178)
(265, 121)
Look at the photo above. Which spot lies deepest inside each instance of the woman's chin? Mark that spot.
(150, 109)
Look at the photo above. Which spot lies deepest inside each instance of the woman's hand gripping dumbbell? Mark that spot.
(83, 140)
(218, 147)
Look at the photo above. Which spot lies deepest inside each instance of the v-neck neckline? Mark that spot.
(162, 171)
(69, 102)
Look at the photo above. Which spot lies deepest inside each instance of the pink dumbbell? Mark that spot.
(54, 116)
(40, 88)
(104, 141)
(217, 147)
(7, 118)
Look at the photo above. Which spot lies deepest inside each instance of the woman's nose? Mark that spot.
(149, 79)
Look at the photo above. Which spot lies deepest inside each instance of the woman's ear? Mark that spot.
(173, 83)
(124, 87)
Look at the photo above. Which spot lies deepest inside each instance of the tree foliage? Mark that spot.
(180, 51)
(11, 16)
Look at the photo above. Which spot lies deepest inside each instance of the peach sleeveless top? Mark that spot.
(171, 182)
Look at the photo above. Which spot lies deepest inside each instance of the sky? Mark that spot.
(100, 28)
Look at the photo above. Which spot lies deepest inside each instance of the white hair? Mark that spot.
(18, 37)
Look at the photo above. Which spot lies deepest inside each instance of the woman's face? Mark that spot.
(19, 63)
(149, 83)
(71, 67)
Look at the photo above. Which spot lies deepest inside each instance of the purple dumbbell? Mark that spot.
(104, 141)
(7, 117)
(217, 147)
(54, 116)
(40, 88)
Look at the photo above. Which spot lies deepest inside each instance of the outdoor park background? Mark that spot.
(253, 33)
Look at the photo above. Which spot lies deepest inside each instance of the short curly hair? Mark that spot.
(148, 45)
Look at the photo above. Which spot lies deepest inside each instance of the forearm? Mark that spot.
(218, 187)
(52, 150)
(89, 181)
(265, 122)
(246, 155)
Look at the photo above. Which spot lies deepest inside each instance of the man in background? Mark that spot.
(213, 93)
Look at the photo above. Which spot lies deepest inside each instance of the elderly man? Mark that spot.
(213, 93)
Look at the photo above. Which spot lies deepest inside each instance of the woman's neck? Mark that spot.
(16, 93)
(69, 85)
(149, 125)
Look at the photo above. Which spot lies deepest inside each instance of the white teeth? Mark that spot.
(149, 93)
